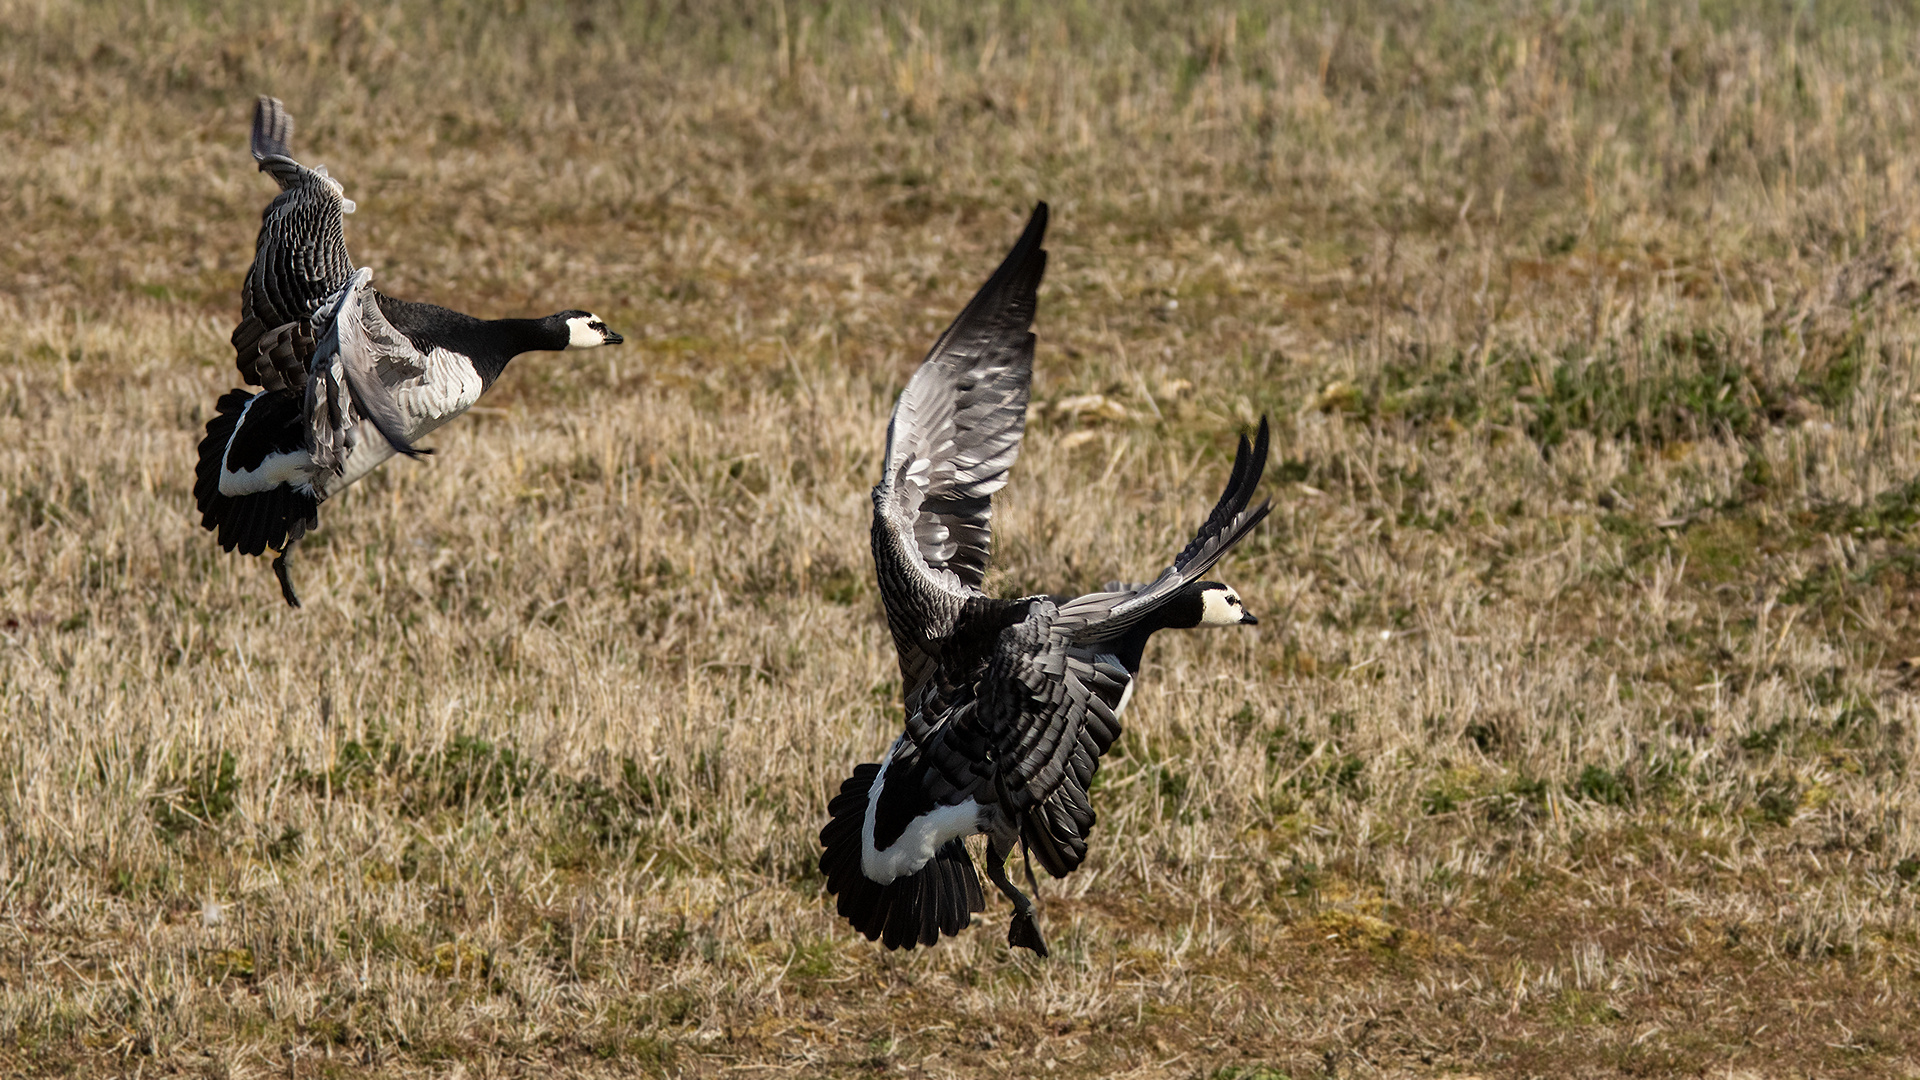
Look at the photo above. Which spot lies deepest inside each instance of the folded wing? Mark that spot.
(357, 358)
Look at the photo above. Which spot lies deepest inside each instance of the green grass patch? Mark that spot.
(198, 794)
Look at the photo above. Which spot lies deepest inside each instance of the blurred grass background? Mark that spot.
(1576, 737)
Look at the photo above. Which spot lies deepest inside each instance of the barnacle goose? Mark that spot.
(348, 376)
(1009, 703)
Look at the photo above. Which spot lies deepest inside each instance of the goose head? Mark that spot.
(584, 330)
(1219, 605)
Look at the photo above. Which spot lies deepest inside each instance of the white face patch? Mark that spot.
(585, 331)
(1221, 607)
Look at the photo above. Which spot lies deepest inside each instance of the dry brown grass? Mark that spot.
(1576, 739)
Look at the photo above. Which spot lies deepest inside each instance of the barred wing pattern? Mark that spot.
(300, 259)
(954, 435)
(1071, 716)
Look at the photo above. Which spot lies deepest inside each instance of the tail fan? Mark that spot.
(252, 523)
(914, 910)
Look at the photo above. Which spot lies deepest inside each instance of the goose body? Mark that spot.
(1010, 703)
(347, 376)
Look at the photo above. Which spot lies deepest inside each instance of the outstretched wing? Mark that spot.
(1110, 616)
(955, 433)
(1075, 682)
(358, 356)
(300, 259)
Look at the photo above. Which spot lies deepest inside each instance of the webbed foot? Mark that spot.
(1024, 932)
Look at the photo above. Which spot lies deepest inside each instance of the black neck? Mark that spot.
(1181, 611)
(505, 339)
(489, 343)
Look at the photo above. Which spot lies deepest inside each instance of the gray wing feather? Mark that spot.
(955, 433)
(300, 259)
(358, 355)
(1068, 695)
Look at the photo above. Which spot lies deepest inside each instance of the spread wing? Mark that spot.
(300, 259)
(955, 433)
(357, 358)
(1111, 615)
(1075, 685)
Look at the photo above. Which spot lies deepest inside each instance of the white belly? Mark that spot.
(924, 835)
(449, 388)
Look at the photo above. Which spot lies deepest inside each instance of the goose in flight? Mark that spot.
(348, 376)
(1009, 703)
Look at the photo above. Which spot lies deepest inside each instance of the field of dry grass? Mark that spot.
(1577, 736)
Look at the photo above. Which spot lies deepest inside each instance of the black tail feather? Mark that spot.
(249, 524)
(914, 910)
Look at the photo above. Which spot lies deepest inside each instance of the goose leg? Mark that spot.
(280, 571)
(1024, 931)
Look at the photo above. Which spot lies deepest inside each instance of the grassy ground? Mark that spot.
(1576, 739)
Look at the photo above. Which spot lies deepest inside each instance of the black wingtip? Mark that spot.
(1031, 237)
(1026, 261)
(1249, 465)
(1036, 229)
